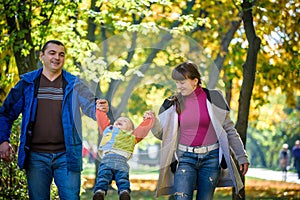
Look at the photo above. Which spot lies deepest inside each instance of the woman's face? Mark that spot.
(187, 86)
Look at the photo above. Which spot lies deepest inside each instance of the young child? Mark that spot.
(115, 149)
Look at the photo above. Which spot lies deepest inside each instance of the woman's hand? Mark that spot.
(244, 168)
(149, 115)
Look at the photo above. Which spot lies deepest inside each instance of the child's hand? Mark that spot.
(149, 115)
(102, 105)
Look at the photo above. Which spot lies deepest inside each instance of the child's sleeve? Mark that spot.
(143, 129)
(102, 120)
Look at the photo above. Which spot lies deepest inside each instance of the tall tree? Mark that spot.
(20, 40)
(249, 70)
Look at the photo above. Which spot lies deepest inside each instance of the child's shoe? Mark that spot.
(99, 195)
(124, 195)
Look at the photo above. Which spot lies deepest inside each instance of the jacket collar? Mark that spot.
(31, 76)
(207, 94)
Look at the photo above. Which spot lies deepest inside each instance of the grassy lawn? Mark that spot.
(147, 195)
(144, 179)
(255, 190)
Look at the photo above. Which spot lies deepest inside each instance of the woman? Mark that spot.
(197, 139)
(284, 159)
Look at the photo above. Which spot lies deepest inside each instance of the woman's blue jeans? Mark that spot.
(196, 171)
(42, 168)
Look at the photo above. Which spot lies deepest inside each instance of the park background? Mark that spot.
(125, 51)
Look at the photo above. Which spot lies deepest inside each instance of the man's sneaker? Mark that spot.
(124, 195)
(99, 195)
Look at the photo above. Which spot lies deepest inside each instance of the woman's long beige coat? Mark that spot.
(167, 130)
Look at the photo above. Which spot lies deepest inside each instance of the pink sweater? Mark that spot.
(195, 125)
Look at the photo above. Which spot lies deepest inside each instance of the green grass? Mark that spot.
(146, 195)
(144, 169)
(257, 189)
(89, 170)
(113, 195)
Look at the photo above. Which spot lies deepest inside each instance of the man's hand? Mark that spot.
(5, 151)
(102, 105)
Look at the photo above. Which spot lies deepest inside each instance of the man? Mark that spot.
(50, 100)
(296, 154)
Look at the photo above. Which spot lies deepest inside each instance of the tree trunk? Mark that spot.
(21, 23)
(218, 63)
(137, 79)
(91, 23)
(228, 89)
(249, 70)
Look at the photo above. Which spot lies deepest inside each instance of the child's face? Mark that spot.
(123, 123)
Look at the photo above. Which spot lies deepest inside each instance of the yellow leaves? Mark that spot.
(280, 77)
(144, 28)
(273, 112)
(161, 59)
(223, 53)
(8, 74)
(295, 48)
(215, 22)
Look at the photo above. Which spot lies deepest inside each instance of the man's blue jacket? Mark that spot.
(21, 98)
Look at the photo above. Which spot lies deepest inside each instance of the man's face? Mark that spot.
(53, 58)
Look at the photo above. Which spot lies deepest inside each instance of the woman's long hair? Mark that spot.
(185, 70)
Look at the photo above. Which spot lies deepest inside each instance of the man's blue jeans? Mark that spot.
(42, 168)
(113, 167)
(196, 171)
